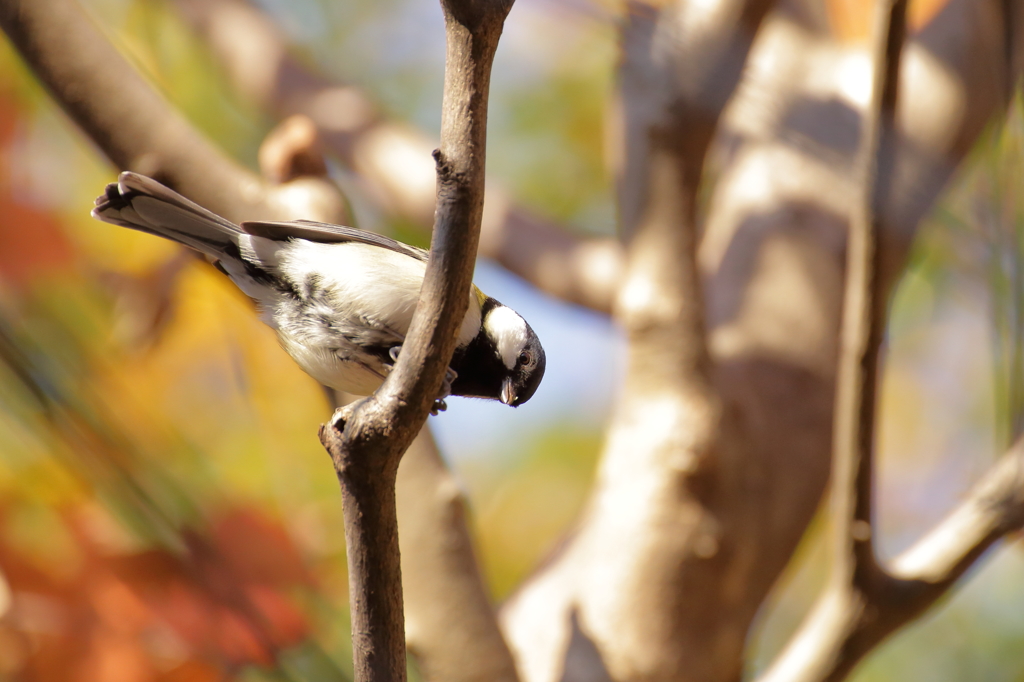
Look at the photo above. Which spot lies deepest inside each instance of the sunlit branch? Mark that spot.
(367, 439)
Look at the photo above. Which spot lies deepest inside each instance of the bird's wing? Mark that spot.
(327, 234)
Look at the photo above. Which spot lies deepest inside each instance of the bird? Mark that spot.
(341, 299)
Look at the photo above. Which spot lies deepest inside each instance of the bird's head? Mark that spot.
(519, 351)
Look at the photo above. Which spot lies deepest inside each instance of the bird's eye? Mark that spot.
(524, 358)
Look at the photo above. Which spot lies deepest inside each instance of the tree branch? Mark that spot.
(993, 508)
(861, 601)
(772, 255)
(131, 123)
(549, 256)
(450, 622)
(834, 638)
(636, 592)
(864, 317)
(366, 440)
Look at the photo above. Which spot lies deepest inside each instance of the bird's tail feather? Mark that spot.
(143, 204)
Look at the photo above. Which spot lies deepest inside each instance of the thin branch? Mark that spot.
(548, 255)
(366, 440)
(863, 324)
(832, 639)
(993, 508)
(127, 119)
(828, 645)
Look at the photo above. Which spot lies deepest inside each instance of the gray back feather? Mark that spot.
(326, 233)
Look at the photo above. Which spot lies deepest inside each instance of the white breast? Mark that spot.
(369, 288)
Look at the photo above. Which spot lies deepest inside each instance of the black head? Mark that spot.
(504, 362)
(523, 379)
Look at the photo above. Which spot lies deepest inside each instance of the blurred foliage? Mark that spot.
(527, 501)
(128, 551)
(166, 511)
(985, 208)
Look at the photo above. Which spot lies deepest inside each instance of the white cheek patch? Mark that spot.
(508, 331)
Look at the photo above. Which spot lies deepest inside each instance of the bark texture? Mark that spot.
(366, 439)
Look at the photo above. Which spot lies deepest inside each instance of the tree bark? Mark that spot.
(771, 256)
(366, 440)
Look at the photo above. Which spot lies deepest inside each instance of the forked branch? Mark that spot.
(367, 440)
(863, 602)
(858, 587)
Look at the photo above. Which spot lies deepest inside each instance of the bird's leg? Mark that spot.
(446, 390)
(446, 386)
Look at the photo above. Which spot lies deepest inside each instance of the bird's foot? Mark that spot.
(446, 386)
(446, 390)
(449, 378)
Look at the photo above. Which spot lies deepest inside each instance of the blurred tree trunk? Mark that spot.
(719, 449)
(700, 503)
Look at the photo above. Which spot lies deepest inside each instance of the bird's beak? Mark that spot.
(508, 393)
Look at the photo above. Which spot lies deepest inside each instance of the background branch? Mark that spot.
(772, 255)
(855, 579)
(134, 126)
(450, 624)
(864, 318)
(828, 645)
(259, 63)
(367, 439)
(862, 602)
(635, 592)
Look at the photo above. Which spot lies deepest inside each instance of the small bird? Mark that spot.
(340, 299)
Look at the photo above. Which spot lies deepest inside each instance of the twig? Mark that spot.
(367, 442)
(857, 585)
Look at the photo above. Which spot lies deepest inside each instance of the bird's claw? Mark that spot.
(446, 390)
(446, 386)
